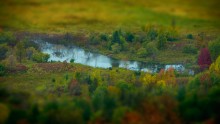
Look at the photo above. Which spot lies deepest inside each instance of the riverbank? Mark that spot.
(172, 55)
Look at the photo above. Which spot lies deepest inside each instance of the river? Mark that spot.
(63, 53)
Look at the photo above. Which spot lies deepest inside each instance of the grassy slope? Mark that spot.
(39, 83)
(105, 15)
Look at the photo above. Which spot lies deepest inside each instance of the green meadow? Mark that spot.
(61, 16)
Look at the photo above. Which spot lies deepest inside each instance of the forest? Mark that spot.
(109, 61)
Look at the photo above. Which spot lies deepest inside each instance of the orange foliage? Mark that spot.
(158, 110)
(155, 112)
(168, 76)
(132, 118)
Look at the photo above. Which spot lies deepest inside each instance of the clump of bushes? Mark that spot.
(189, 49)
(40, 57)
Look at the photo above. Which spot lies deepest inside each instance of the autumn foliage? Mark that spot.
(204, 59)
(163, 78)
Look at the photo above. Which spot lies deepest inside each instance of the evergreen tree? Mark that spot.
(116, 37)
(20, 51)
(161, 43)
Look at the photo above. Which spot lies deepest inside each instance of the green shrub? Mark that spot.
(129, 37)
(124, 44)
(66, 77)
(104, 37)
(152, 35)
(172, 35)
(40, 57)
(189, 36)
(142, 52)
(3, 51)
(2, 70)
(72, 60)
(116, 48)
(189, 49)
(151, 49)
(53, 80)
(214, 48)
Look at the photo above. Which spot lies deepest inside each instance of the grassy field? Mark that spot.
(60, 16)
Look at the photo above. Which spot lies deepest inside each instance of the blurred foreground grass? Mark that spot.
(62, 16)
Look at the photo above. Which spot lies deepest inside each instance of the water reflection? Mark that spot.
(66, 53)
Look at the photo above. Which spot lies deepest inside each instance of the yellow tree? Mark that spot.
(149, 79)
(215, 67)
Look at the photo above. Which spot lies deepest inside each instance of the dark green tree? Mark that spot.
(161, 42)
(20, 51)
(116, 37)
(129, 37)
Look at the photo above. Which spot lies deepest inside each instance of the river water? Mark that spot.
(62, 53)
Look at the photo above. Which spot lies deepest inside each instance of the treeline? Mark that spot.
(148, 42)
